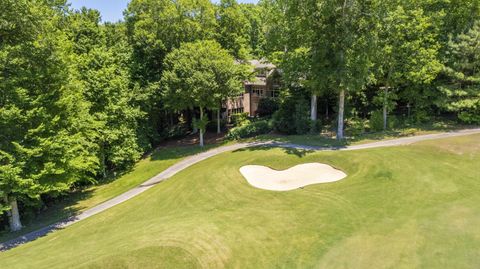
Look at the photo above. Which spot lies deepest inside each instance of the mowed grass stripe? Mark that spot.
(404, 207)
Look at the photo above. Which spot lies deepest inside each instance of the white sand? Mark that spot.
(263, 177)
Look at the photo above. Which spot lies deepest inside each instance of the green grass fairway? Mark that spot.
(414, 206)
(81, 200)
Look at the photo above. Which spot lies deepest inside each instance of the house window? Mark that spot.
(258, 91)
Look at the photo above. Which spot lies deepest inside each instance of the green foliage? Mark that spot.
(356, 126)
(301, 117)
(315, 126)
(250, 129)
(239, 119)
(233, 32)
(376, 121)
(462, 90)
(47, 139)
(101, 56)
(267, 106)
(292, 117)
(199, 74)
(156, 27)
(284, 117)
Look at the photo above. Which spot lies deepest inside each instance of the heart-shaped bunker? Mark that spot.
(264, 177)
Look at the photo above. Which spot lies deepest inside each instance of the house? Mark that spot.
(264, 84)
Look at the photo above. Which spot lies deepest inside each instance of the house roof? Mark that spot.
(261, 64)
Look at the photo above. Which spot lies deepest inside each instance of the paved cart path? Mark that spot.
(187, 162)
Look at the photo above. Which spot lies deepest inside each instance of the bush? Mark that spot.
(175, 131)
(468, 117)
(267, 106)
(356, 126)
(315, 126)
(301, 117)
(421, 116)
(249, 130)
(240, 119)
(376, 121)
(282, 119)
(293, 115)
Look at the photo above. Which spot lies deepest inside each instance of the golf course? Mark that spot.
(242, 134)
(411, 206)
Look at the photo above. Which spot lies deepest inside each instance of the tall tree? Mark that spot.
(101, 55)
(343, 46)
(290, 37)
(461, 87)
(45, 143)
(154, 28)
(408, 49)
(198, 75)
(233, 26)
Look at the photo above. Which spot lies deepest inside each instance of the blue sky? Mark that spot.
(112, 10)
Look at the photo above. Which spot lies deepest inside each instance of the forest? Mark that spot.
(81, 101)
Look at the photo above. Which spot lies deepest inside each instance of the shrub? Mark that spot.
(293, 115)
(421, 116)
(282, 119)
(249, 130)
(376, 121)
(267, 106)
(315, 126)
(175, 131)
(301, 117)
(240, 119)
(356, 126)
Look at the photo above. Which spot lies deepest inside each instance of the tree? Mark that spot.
(291, 35)
(462, 87)
(46, 140)
(343, 46)
(296, 66)
(101, 57)
(408, 51)
(199, 74)
(154, 28)
(233, 26)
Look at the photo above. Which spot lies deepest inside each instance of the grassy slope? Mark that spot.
(76, 202)
(401, 207)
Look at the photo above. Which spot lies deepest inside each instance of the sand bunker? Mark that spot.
(263, 177)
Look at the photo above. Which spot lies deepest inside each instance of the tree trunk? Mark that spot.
(13, 215)
(313, 107)
(385, 100)
(201, 127)
(219, 130)
(341, 109)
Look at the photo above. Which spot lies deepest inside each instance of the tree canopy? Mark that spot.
(200, 74)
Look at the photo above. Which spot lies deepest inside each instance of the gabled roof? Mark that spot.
(261, 64)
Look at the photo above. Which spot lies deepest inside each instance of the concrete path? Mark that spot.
(187, 162)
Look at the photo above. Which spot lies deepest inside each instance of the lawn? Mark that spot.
(413, 206)
(80, 200)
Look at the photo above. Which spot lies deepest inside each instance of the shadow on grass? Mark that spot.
(299, 152)
(46, 220)
(65, 208)
(328, 141)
